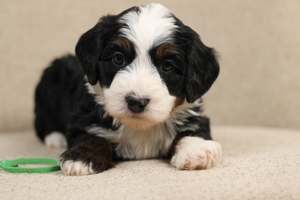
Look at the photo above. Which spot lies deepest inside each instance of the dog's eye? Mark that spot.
(118, 59)
(167, 66)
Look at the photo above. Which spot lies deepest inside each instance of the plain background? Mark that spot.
(258, 44)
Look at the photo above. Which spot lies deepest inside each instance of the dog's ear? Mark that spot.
(91, 45)
(202, 66)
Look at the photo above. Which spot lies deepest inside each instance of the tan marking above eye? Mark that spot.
(124, 43)
(164, 49)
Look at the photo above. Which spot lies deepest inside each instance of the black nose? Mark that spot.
(136, 105)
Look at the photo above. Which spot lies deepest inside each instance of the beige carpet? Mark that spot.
(258, 163)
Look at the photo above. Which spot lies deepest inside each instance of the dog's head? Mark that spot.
(147, 63)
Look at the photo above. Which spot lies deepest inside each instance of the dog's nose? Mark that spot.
(136, 105)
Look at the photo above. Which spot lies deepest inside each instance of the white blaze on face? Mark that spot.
(148, 28)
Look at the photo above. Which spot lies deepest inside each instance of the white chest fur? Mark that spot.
(139, 144)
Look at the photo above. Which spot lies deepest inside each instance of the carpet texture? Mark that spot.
(257, 163)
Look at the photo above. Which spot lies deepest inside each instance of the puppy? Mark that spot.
(133, 92)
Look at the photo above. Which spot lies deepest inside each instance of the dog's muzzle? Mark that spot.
(136, 104)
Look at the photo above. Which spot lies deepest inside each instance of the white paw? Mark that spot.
(76, 168)
(56, 139)
(196, 153)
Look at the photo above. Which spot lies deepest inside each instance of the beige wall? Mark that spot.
(258, 42)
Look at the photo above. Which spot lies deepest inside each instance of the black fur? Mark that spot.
(92, 43)
(63, 104)
(202, 68)
(91, 149)
(57, 96)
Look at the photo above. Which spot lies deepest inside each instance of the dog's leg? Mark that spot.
(88, 155)
(194, 149)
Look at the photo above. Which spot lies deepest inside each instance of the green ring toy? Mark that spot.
(13, 165)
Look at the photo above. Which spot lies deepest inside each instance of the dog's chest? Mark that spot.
(153, 142)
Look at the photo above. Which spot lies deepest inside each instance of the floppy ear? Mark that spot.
(202, 69)
(90, 47)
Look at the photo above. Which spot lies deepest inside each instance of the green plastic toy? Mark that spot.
(13, 165)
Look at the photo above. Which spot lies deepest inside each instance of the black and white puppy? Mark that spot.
(134, 93)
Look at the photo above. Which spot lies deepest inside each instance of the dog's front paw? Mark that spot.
(76, 168)
(78, 162)
(196, 153)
